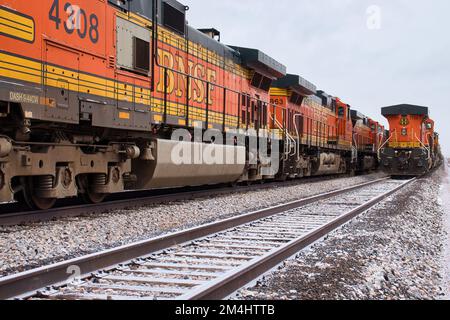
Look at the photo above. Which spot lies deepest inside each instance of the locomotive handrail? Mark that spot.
(382, 146)
(355, 148)
(380, 140)
(424, 146)
(298, 115)
(280, 127)
(289, 139)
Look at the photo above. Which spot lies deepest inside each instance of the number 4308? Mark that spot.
(77, 19)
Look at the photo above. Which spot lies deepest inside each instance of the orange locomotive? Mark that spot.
(95, 96)
(325, 135)
(92, 90)
(413, 145)
(368, 136)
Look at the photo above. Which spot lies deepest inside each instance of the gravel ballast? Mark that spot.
(396, 250)
(445, 202)
(33, 245)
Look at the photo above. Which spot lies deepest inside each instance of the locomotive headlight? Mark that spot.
(404, 132)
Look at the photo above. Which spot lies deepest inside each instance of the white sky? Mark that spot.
(328, 42)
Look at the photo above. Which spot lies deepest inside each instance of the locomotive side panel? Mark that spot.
(312, 127)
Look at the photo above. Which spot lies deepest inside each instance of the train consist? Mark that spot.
(412, 147)
(93, 93)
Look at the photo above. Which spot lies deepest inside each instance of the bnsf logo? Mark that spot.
(176, 83)
(404, 121)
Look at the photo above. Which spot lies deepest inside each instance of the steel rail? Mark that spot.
(238, 278)
(17, 218)
(27, 283)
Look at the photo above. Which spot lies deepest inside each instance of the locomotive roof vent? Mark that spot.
(316, 99)
(356, 115)
(327, 100)
(296, 84)
(121, 4)
(405, 109)
(212, 33)
(174, 15)
(261, 62)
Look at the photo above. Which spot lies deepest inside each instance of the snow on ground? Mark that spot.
(445, 203)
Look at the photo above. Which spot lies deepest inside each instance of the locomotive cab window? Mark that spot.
(133, 47)
(341, 112)
(141, 55)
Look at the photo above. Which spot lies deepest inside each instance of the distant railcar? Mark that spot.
(412, 147)
(368, 135)
(327, 136)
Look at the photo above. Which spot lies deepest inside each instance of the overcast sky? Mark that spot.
(369, 53)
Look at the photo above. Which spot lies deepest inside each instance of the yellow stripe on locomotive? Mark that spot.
(16, 25)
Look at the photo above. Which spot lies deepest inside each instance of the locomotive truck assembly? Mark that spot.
(91, 95)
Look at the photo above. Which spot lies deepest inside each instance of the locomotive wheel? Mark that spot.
(233, 184)
(88, 196)
(93, 198)
(28, 197)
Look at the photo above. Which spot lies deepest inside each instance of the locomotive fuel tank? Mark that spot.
(180, 164)
(330, 163)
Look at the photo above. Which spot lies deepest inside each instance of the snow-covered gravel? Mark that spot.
(394, 251)
(30, 246)
(445, 202)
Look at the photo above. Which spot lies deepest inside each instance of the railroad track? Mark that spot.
(207, 262)
(14, 214)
